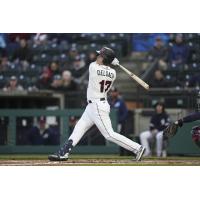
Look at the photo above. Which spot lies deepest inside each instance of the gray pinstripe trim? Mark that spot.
(108, 131)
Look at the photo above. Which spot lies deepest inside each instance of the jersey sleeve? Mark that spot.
(168, 120)
(91, 66)
(192, 117)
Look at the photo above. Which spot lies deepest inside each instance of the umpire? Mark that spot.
(159, 121)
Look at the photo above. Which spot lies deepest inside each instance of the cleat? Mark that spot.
(57, 157)
(140, 154)
(63, 153)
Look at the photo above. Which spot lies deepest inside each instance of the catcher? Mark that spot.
(172, 129)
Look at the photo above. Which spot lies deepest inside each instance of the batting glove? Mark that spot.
(115, 62)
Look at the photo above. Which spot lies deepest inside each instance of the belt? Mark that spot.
(101, 99)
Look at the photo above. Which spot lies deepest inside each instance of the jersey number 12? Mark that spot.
(105, 85)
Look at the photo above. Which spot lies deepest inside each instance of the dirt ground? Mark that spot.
(96, 160)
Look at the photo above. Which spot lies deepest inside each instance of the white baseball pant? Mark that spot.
(97, 113)
(146, 137)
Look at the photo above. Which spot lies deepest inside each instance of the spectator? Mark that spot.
(13, 85)
(51, 135)
(4, 64)
(160, 53)
(35, 134)
(16, 37)
(23, 54)
(54, 68)
(73, 53)
(179, 52)
(194, 81)
(40, 39)
(57, 83)
(159, 121)
(91, 57)
(43, 133)
(143, 42)
(45, 79)
(78, 67)
(68, 82)
(2, 45)
(158, 80)
(117, 102)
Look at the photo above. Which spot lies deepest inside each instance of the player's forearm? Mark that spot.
(192, 117)
(189, 118)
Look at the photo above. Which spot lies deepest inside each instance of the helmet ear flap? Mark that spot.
(106, 61)
(107, 54)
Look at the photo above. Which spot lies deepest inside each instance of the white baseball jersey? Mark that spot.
(101, 78)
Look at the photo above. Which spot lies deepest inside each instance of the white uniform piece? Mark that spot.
(147, 136)
(101, 78)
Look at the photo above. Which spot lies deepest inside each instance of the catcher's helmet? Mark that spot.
(196, 135)
(107, 54)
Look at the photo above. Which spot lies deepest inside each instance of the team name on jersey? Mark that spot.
(105, 73)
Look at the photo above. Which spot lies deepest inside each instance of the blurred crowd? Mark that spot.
(60, 61)
(51, 61)
(176, 59)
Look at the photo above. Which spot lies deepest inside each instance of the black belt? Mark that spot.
(101, 99)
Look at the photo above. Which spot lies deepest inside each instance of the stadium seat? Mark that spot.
(2, 81)
(63, 58)
(64, 46)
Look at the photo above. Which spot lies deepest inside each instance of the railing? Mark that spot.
(12, 147)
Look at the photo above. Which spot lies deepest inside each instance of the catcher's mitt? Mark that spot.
(171, 130)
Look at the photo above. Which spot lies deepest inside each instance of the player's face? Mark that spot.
(159, 109)
(114, 94)
(158, 43)
(13, 83)
(100, 60)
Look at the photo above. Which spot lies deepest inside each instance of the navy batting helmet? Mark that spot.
(196, 135)
(107, 54)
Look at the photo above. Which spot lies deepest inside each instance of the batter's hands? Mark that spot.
(115, 62)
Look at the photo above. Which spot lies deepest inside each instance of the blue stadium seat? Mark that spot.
(64, 46)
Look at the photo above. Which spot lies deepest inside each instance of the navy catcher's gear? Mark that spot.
(171, 130)
(196, 135)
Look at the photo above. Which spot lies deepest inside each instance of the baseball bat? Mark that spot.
(134, 77)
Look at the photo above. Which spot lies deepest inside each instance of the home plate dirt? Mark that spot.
(183, 161)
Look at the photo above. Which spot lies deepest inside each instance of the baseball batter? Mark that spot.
(101, 78)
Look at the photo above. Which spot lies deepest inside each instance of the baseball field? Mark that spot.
(96, 160)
